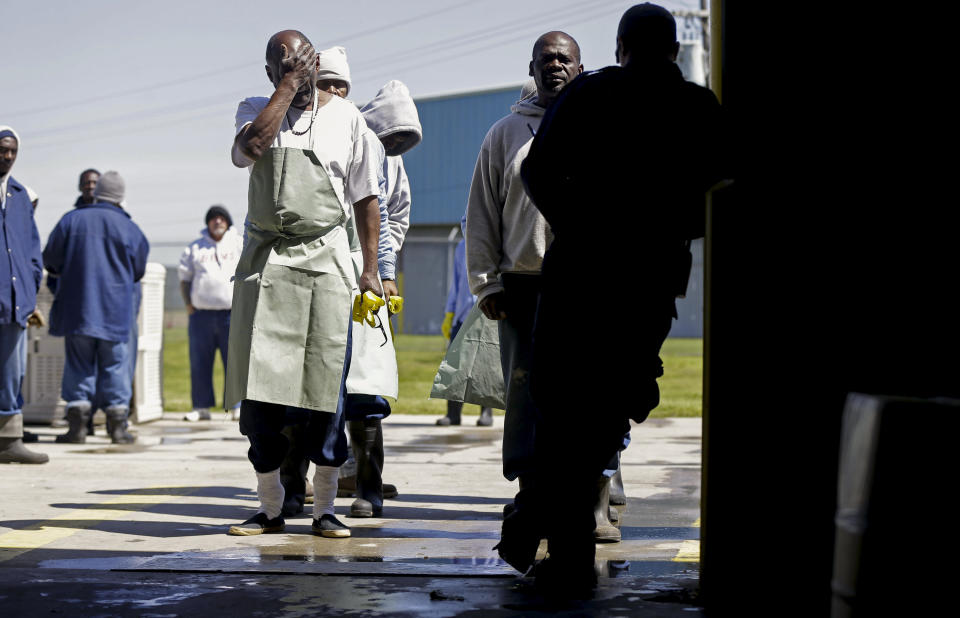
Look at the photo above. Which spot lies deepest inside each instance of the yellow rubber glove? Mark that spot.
(447, 325)
(395, 304)
(365, 305)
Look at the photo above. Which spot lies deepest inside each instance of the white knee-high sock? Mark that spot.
(270, 493)
(324, 490)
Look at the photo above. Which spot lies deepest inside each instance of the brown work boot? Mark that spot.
(12, 450)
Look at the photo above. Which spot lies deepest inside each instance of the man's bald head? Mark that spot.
(292, 39)
(557, 37)
(555, 63)
(290, 52)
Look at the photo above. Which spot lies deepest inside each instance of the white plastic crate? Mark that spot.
(45, 357)
(148, 377)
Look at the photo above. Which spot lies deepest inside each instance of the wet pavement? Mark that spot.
(141, 530)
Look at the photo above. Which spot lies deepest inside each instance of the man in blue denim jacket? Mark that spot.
(99, 255)
(20, 275)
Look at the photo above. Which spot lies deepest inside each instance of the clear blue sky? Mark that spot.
(150, 88)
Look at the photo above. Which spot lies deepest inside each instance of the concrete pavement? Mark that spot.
(141, 529)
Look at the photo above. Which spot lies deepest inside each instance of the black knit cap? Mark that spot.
(215, 210)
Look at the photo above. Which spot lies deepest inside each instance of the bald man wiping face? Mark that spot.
(290, 51)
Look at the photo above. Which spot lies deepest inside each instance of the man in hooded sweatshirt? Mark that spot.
(392, 117)
(20, 276)
(206, 274)
(99, 254)
(506, 238)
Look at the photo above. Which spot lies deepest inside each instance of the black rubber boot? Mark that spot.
(12, 450)
(117, 425)
(605, 532)
(521, 531)
(569, 572)
(367, 442)
(453, 414)
(618, 496)
(77, 416)
(486, 417)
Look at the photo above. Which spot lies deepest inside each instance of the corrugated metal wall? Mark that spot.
(441, 167)
(440, 170)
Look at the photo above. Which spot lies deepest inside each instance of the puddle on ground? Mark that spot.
(190, 429)
(107, 563)
(222, 457)
(441, 443)
(485, 562)
(115, 449)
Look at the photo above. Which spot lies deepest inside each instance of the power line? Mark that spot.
(434, 61)
(229, 69)
(482, 36)
(513, 25)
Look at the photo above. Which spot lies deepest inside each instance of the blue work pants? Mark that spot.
(96, 370)
(208, 330)
(13, 366)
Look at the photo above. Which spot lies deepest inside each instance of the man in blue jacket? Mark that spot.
(99, 254)
(20, 275)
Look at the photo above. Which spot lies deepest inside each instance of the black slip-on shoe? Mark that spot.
(258, 524)
(330, 527)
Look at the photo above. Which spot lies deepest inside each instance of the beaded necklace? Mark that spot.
(313, 114)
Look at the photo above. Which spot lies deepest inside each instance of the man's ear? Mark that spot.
(617, 52)
(530, 71)
(676, 51)
(579, 69)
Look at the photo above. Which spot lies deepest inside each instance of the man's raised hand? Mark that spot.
(298, 65)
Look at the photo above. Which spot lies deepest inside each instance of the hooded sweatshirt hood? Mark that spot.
(393, 111)
(527, 107)
(529, 89)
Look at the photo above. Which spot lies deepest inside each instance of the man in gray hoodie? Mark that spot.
(507, 237)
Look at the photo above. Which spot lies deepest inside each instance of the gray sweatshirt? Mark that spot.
(391, 111)
(505, 231)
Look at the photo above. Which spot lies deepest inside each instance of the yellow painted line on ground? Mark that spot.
(689, 551)
(17, 542)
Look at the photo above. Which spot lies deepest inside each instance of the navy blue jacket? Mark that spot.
(98, 253)
(21, 271)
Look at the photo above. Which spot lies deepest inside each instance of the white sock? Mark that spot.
(324, 490)
(270, 493)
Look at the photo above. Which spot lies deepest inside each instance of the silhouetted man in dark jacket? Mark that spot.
(619, 168)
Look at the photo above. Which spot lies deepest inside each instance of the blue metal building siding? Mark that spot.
(441, 167)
